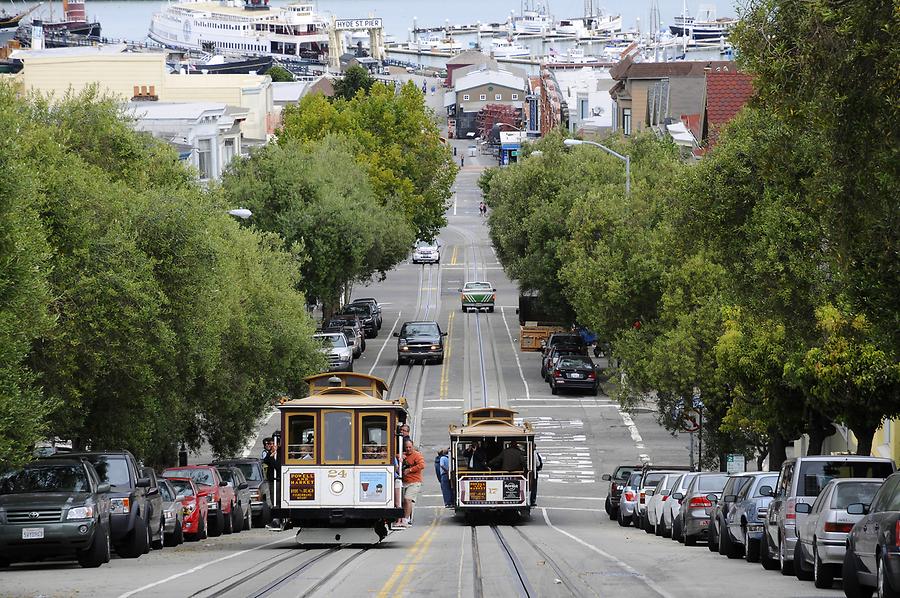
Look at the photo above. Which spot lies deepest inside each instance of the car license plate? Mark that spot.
(575, 375)
(704, 522)
(32, 533)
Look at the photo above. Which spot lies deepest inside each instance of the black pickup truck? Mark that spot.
(136, 520)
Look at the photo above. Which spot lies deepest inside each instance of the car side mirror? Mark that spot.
(730, 498)
(649, 492)
(712, 498)
(606, 477)
(765, 491)
(397, 334)
(223, 483)
(857, 508)
(142, 483)
(153, 491)
(678, 496)
(493, 290)
(103, 488)
(243, 486)
(802, 507)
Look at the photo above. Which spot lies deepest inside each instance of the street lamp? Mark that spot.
(242, 213)
(626, 159)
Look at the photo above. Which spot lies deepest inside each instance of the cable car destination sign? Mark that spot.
(373, 23)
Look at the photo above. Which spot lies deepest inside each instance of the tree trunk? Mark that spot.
(760, 457)
(777, 451)
(864, 436)
(819, 428)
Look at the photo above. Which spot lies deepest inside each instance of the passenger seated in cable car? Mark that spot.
(475, 457)
(512, 458)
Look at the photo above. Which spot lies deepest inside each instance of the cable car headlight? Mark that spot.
(337, 487)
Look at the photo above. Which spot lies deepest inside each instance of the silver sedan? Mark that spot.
(823, 534)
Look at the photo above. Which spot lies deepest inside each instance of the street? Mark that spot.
(568, 546)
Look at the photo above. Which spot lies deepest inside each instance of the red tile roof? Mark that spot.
(692, 122)
(726, 94)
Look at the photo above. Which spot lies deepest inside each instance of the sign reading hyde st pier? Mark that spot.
(358, 23)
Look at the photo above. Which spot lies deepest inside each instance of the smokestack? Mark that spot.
(37, 34)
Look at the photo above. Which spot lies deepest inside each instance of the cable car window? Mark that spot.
(374, 443)
(338, 437)
(301, 443)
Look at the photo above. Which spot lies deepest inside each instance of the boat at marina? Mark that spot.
(74, 22)
(11, 21)
(506, 48)
(590, 26)
(436, 44)
(705, 26)
(533, 19)
(250, 28)
(201, 63)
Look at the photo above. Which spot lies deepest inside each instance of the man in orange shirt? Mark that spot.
(413, 466)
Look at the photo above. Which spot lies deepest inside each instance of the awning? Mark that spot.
(681, 135)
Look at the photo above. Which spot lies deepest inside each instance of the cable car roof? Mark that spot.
(492, 427)
(345, 389)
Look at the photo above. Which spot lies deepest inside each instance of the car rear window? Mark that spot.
(814, 475)
(568, 362)
(182, 488)
(200, 476)
(853, 492)
(769, 481)
(622, 473)
(478, 286)
(45, 478)
(635, 480)
(112, 470)
(250, 471)
(712, 483)
(653, 479)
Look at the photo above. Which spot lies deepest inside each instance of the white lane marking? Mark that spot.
(629, 423)
(203, 566)
(650, 583)
(515, 350)
(390, 334)
(462, 549)
(455, 199)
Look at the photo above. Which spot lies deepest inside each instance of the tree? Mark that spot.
(356, 78)
(279, 74)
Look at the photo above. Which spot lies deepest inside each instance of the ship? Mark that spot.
(591, 26)
(534, 19)
(11, 21)
(506, 48)
(251, 28)
(705, 26)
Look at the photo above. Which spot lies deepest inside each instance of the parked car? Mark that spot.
(746, 517)
(220, 498)
(822, 538)
(132, 505)
(574, 372)
(656, 499)
(241, 516)
(617, 480)
(420, 341)
(173, 513)
(367, 316)
(426, 252)
(54, 508)
(477, 295)
(196, 508)
(721, 507)
(375, 307)
(260, 491)
(337, 349)
(697, 504)
(801, 479)
(352, 327)
(552, 356)
(649, 482)
(872, 558)
(671, 521)
(629, 499)
(562, 338)
(155, 507)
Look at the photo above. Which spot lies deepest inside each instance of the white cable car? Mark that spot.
(337, 452)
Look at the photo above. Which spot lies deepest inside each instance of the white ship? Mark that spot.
(436, 44)
(250, 27)
(506, 48)
(592, 26)
(705, 26)
(534, 19)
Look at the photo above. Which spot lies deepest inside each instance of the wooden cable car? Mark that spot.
(477, 461)
(339, 455)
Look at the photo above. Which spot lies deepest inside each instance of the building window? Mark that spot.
(228, 151)
(498, 96)
(465, 97)
(626, 121)
(204, 158)
(515, 96)
(482, 97)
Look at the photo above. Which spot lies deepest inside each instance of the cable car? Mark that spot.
(477, 463)
(337, 452)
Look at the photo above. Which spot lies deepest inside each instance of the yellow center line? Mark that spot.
(416, 548)
(455, 253)
(416, 560)
(448, 349)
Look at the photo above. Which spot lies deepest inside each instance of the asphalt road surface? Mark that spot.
(568, 547)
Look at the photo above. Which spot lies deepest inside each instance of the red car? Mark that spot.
(219, 496)
(195, 507)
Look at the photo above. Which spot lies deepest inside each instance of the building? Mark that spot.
(585, 93)
(207, 134)
(654, 94)
(134, 74)
(285, 93)
(477, 89)
(466, 59)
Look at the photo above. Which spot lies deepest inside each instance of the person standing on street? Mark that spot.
(444, 477)
(271, 466)
(413, 466)
(437, 463)
(538, 466)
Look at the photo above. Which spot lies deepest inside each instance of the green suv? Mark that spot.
(52, 508)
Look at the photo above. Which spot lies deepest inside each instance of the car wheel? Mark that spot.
(751, 547)
(98, 552)
(607, 506)
(850, 578)
(265, 515)
(676, 529)
(622, 520)
(786, 566)
(823, 575)
(401, 360)
(439, 360)
(138, 541)
(665, 532)
(801, 568)
(732, 549)
(712, 542)
(215, 527)
(228, 521)
(491, 309)
(768, 562)
(596, 390)
(248, 520)
(158, 544)
(553, 389)
(690, 540)
(883, 584)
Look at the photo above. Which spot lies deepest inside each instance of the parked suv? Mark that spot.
(801, 479)
(260, 492)
(367, 316)
(376, 308)
(420, 340)
(132, 503)
(746, 516)
(722, 506)
(54, 507)
(337, 351)
(617, 480)
(241, 517)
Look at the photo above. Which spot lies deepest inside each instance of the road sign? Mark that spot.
(735, 463)
(690, 421)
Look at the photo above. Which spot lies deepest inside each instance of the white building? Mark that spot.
(585, 92)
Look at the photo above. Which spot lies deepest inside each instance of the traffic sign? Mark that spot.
(735, 463)
(690, 420)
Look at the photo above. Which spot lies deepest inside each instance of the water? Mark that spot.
(129, 19)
